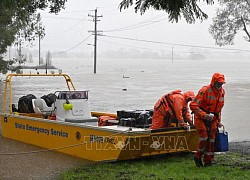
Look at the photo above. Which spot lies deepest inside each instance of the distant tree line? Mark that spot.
(19, 19)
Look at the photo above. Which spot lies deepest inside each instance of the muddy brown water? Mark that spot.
(33, 165)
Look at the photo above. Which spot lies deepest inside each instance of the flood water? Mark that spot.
(145, 80)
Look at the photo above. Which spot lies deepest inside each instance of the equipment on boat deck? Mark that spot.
(107, 121)
(135, 118)
(25, 104)
(31, 104)
(40, 107)
(72, 106)
(49, 99)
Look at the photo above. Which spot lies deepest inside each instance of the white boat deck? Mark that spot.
(125, 129)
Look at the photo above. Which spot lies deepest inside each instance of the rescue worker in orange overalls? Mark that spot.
(206, 107)
(172, 106)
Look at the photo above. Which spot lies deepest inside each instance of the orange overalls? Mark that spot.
(208, 100)
(168, 107)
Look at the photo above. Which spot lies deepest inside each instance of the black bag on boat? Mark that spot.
(25, 104)
(128, 122)
(49, 99)
(144, 119)
(135, 118)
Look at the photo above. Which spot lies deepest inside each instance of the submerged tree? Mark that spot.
(189, 9)
(21, 17)
(232, 18)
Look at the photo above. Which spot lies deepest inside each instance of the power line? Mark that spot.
(65, 18)
(109, 11)
(73, 26)
(65, 31)
(132, 46)
(140, 24)
(176, 44)
(62, 12)
(110, 6)
(160, 50)
(73, 46)
(119, 13)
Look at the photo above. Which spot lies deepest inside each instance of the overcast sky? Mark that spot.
(68, 31)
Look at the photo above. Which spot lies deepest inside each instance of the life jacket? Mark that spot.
(168, 107)
(165, 104)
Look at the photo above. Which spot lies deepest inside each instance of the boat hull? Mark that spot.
(109, 143)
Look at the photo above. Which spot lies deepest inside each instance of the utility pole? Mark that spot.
(172, 54)
(95, 36)
(39, 47)
(19, 50)
(46, 64)
(9, 52)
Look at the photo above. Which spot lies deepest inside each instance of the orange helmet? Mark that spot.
(189, 95)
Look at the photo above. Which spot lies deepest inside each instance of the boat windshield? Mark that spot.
(72, 94)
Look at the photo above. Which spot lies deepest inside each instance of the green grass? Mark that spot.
(172, 166)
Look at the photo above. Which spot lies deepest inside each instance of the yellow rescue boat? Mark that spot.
(68, 126)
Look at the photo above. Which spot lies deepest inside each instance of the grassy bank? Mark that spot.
(173, 166)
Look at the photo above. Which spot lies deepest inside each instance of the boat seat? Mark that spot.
(40, 106)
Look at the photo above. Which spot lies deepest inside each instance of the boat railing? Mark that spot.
(7, 96)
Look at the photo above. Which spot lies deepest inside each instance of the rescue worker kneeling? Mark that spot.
(172, 106)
